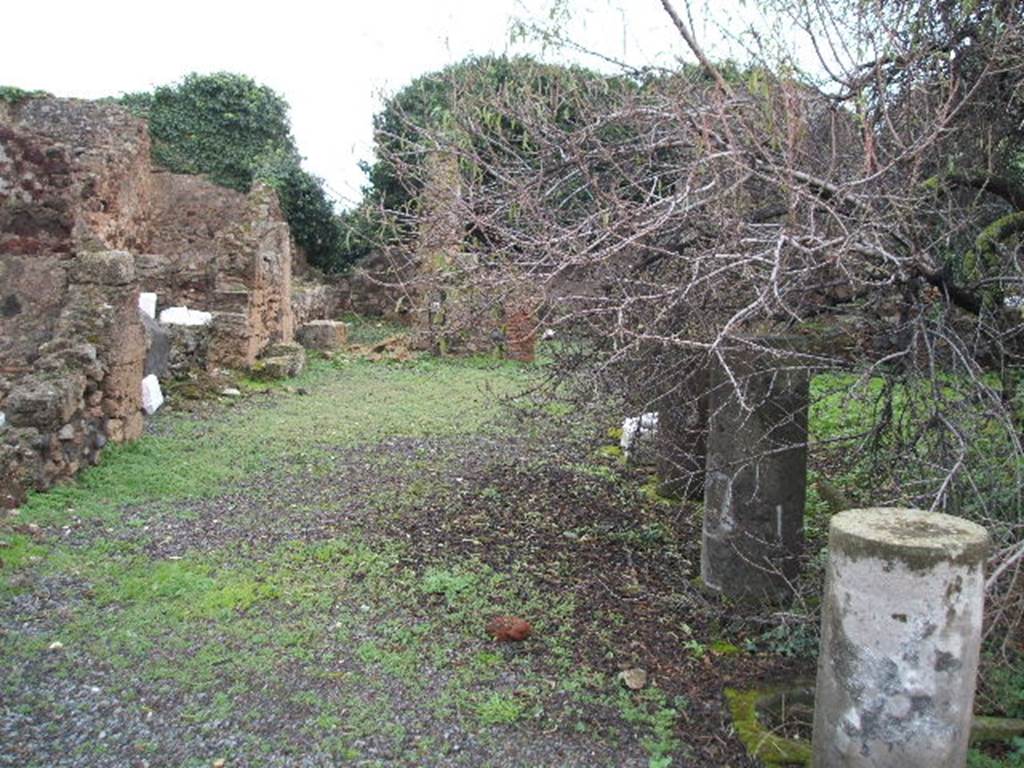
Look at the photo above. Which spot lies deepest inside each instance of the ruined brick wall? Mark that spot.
(84, 224)
(74, 192)
(218, 250)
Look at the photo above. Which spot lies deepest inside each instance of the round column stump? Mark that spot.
(901, 635)
(756, 478)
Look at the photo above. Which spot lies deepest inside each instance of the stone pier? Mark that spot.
(756, 473)
(901, 633)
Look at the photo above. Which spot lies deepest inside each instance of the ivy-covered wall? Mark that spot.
(235, 131)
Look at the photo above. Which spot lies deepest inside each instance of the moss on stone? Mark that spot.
(774, 751)
(724, 648)
(652, 490)
(916, 539)
(987, 729)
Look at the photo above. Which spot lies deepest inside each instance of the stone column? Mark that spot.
(901, 633)
(756, 473)
(438, 250)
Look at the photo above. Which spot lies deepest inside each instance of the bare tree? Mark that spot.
(874, 210)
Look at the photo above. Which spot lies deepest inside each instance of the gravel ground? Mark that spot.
(342, 656)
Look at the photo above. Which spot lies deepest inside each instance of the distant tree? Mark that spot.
(406, 130)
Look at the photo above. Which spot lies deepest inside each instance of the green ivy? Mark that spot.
(9, 94)
(434, 103)
(234, 131)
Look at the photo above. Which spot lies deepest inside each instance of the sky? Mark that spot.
(332, 62)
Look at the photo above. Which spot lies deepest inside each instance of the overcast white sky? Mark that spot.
(331, 61)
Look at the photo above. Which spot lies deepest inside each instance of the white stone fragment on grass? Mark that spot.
(152, 397)
(147, 303)
(637, 428)
(230, 392)
(548, 335)
(185, 316)
(3, 419)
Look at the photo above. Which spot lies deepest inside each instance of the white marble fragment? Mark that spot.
(147, 303)
(152, 397)
(636, 428)
(185, 316)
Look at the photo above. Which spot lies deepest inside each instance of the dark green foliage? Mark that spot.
(436, 106)
(362, 229)
(235, 131)
(314, 224)
(219, 125)
(9, 94)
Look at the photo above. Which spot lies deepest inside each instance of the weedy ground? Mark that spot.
(302, 577)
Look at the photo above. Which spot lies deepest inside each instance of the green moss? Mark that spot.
(652, 489)
(723, 648)
(986, 729)
(610, 452)
(770, 749)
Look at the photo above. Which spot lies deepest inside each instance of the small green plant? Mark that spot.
(792, 640)
(650, 710)
(441, 581)
(695, 648)
(1014, 758)
(499, 709)
(1004, 686)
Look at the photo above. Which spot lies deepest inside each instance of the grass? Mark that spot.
(349, 635)
(352, 402)
(324, 561)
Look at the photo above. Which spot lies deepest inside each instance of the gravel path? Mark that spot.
(329, 610)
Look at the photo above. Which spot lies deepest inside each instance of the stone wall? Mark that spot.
(380, 285)
(85, 223)
(74, 195)
(218, 250)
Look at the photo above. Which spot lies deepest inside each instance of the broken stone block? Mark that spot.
(152, 397)
(638, 432)
(104, 268)
(188, 349)
(185, 316)
(232, 344)
(323, 335)
(15, 477)
(281, 361)
(158, 347)
(42, 403)
(115, 430)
